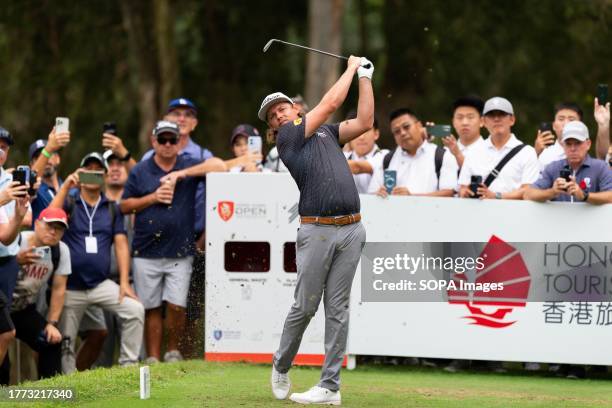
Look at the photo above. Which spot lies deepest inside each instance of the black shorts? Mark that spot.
(6, 323)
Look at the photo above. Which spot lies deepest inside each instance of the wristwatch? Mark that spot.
(127, 157)
(53, 322)
(498, 195)
(586, 195)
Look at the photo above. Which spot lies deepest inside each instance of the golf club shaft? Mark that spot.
(314, 50)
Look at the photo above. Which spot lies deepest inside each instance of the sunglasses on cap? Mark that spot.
(162, 139)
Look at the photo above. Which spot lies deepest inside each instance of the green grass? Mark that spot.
(204, 384)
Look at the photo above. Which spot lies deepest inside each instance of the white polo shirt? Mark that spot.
(418, 173)
(551, 154)
(466, 149)
(522, 169)
(375, 158)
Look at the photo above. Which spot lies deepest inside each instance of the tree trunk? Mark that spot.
(142, 60)
(166, 53)
(325, 33)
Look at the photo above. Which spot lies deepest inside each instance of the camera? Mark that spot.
(475, 182)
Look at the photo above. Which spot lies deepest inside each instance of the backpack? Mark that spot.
(438, 157)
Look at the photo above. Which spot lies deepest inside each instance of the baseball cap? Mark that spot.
(243, 129)
(96, 157)
(165, 126)
(270, 100)
(575, 130)
(498, 103)
(36, 147)
(109, 155)
(50, 214)
(6, 135)
(182, 103)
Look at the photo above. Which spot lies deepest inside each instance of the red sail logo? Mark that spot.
(225, 209)
(503, 264)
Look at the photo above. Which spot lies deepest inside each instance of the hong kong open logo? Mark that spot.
(502, 264)
(225, 209)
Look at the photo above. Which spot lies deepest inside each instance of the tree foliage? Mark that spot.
(121, 61)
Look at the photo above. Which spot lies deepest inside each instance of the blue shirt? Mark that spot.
(160, 230)
(88, 269)
(44, 196)
(593, 176)
(195, 152)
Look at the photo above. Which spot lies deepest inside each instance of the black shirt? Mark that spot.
(319, 169)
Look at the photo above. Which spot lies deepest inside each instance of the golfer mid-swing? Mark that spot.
(330, 237)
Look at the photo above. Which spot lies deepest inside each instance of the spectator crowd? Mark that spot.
(113, 254)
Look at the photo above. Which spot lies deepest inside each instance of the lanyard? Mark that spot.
(92, 214)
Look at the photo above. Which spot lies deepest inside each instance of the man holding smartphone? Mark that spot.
(14, 213)
(506, 165)
(95, 224)
(331, 236)
(548, 147)
(590, 179)
(419, 170)
(41, 256)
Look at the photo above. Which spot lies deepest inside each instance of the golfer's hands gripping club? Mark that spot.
(366, 68)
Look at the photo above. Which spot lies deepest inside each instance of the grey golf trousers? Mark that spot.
(327, 257)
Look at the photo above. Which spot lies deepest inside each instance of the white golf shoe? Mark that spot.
(317, 395)
(280, 384)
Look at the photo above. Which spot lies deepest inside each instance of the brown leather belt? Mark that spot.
(339, 220)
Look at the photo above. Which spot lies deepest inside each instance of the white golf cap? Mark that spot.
(575, 130)
(271, 100)
(498, 103)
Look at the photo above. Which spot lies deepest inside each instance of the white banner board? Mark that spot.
(245, 310)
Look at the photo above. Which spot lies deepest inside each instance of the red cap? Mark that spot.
(54, 215)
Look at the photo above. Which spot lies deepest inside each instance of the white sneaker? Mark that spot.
(173, 356)
(317, 395)
(151, 360)
(280, 384)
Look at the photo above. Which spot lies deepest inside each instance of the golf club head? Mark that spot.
(268, 44)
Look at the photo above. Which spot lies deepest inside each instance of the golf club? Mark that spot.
(269, 43)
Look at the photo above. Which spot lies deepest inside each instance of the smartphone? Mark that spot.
(390, 180)
(475, 182)
(602, 94)
(44, 252)
(33, 177)
(22, 175)
(62, 125)
(546, 127)
(109, 127)
(439, 130)
(255, 144)
(92, 177)
(565, 174)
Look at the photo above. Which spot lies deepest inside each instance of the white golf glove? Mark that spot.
(362, 71)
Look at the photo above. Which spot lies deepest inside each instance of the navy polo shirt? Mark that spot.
(593, 176)
(89, 270)
(319, 169)
(161, 230)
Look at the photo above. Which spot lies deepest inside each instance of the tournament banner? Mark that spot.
(530, 281)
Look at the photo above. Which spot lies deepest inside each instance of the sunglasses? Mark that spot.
(163, 140)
